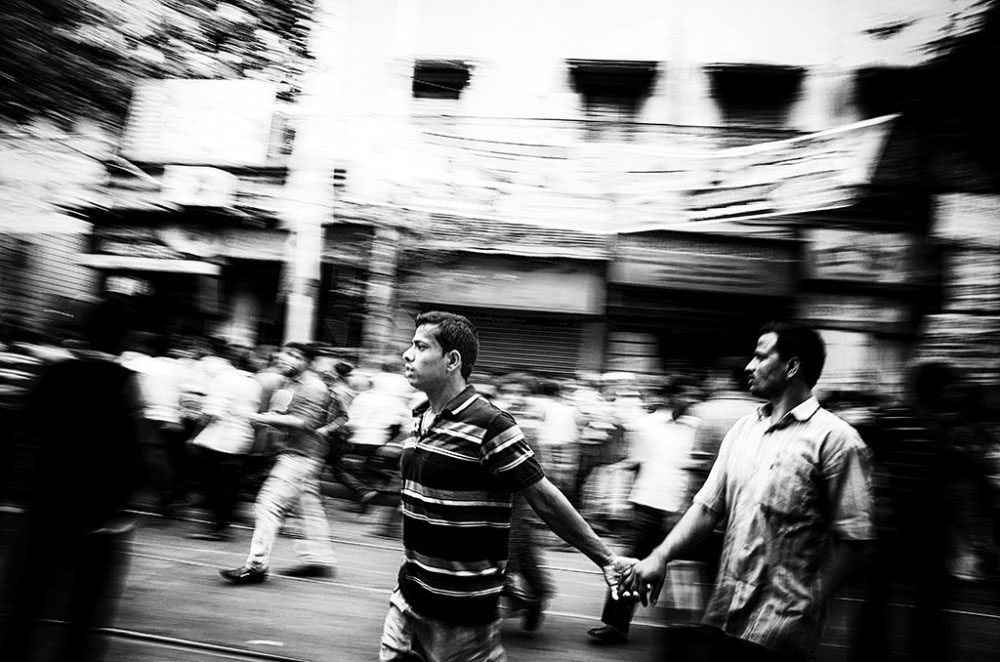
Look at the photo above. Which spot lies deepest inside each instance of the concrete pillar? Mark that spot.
(379, 332)
(309, 189)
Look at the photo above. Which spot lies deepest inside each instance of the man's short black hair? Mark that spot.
(800, 341)
(307, 350)
(454, 332)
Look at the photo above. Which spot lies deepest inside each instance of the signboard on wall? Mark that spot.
(863, 257)
(968, 218)
(705, 266)
(200, 122)
(510, 286)
(857, 313)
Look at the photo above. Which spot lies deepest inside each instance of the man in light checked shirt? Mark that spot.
(793, 487)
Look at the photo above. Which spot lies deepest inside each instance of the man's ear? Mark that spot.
(794, 366)
(454, 360)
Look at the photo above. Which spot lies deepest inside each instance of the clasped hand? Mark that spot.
(641, 581)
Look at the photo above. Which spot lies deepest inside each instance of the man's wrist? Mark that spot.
(606, 559)
(660, 556)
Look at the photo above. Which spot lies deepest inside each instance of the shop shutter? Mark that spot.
(541, 346)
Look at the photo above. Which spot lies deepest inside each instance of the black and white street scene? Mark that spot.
(453, 331)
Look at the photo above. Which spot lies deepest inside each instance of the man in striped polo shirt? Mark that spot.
(460, 469)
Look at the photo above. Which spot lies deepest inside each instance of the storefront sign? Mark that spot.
(862, 257)
(507, 285)
(972, 280)
(970, 342)
(856, 313)
(200, 122)
(168, 249)
(198, 186)
(127, 285)
(167, 243)
(705, 266)
(254, 244)
(968, 218)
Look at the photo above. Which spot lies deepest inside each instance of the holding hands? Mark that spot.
(643, 580)
(615, 572)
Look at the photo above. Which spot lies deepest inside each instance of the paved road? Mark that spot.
(176, 608)
(174, 592)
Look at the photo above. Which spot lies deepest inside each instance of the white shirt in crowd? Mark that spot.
(233, 395)
(662, 447)
(160, 381)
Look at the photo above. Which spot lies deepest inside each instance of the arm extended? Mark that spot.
(646, 577)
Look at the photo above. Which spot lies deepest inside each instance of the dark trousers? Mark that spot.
(705, 643)
(167, 464)
(645, 529)
(222, 474)
(591, 457)
(525, 555)
(914, 555)
(59, 588)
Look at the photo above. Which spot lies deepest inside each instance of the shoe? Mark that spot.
(607, 636)
(312, 570)
(364, 501)
(219, 536)
(532, 617)
(244, 575)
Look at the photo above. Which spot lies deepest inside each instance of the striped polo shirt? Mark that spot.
(459, 475)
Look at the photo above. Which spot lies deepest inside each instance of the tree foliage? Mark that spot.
(73, 59)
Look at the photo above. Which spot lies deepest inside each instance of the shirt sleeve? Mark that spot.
(847, 470)
(712, 494)
(506, 454)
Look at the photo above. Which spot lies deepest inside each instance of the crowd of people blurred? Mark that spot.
(630, 451)
(592, 430)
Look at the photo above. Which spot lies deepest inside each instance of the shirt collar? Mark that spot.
(801, 412)
(459, 402)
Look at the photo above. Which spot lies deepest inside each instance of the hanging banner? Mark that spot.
(824, 170)
(666, 180)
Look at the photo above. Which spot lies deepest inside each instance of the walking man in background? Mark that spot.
(661, 441)
(460, 469)
(294, 478)
(794, 485)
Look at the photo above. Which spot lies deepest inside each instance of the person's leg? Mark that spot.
(645, 530)
(278, 493)
(160, 468)
(398, 642)
(36, 560)
(314, 547)
(443, 642)
(230, 476)
(99, 576)
(590, 454)
(207, 464)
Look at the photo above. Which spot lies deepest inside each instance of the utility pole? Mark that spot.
(381, 293)
(309, 188)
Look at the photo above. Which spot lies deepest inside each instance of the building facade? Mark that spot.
(601, 186)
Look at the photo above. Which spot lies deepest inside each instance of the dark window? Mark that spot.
(440, 79)
(885, 90)
(756, 95)
(612, 92)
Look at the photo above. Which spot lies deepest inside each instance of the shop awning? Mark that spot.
(125, 263)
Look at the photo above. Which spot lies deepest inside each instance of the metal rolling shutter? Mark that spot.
(543, 346)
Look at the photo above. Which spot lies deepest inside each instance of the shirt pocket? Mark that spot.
(789, 488)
